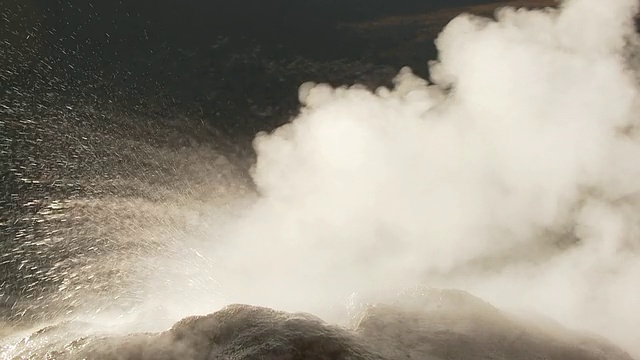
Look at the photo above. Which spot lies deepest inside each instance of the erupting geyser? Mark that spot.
(511, 174)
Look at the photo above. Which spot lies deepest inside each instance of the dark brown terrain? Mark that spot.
(428, 324)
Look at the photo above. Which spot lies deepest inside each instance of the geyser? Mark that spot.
(511, 173)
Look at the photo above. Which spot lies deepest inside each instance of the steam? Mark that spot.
(512, 174)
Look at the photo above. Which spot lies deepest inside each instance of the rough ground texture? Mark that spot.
(425, 324)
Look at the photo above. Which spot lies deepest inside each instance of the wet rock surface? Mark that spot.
(429, 324)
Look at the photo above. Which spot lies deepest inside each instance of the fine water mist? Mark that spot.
(510, 173)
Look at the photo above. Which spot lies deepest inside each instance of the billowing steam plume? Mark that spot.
(513, 174)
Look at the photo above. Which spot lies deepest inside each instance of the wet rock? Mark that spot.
(422, 324)
(238, 332)
(452, 324)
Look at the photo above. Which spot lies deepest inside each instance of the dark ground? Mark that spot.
(210, 59)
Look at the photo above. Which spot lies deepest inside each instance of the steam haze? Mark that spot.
(512, 174)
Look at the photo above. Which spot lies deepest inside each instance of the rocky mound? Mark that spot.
(427, 324)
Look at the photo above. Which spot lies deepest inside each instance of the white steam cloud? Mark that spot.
(514, 174)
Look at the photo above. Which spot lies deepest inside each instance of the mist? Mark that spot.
(511, 173)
